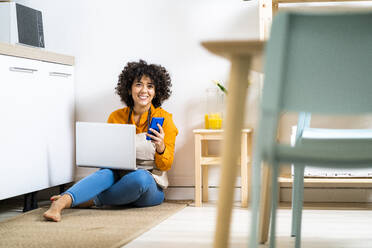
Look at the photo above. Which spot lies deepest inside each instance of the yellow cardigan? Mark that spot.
(163, 161)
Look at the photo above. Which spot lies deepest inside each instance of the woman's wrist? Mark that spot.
(160, 153)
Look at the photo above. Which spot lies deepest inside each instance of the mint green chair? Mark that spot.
(315, 63)
(304, 133)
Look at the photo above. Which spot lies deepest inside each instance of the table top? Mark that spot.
(218, 131)
(228, 49)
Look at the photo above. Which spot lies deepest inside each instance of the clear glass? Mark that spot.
(214, 108)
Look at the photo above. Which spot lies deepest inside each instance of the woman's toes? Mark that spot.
(55, 197)
(52, 216)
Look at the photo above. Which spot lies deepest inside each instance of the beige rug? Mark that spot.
(84, 227)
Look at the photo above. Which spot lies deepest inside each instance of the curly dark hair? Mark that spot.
(134, 71)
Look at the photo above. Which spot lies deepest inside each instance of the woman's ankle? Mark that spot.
(65, 201)
(86, 204)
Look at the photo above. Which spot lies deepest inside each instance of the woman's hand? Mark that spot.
(158, 139)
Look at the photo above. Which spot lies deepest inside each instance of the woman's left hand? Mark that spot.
(158, 139)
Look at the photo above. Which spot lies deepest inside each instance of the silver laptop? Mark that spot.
(105, 145)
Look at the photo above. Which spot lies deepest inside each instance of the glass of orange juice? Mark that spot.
(214, 106)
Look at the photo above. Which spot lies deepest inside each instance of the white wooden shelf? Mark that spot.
(335, 182)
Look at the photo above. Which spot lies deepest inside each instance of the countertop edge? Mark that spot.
(35, 53)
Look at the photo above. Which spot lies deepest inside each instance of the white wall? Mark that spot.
(104, 35)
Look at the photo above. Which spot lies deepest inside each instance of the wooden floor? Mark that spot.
(324, 226)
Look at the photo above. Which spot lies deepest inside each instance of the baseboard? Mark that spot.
(186, 193)
(362, 195)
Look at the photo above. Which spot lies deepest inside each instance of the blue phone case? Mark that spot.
(153, 125)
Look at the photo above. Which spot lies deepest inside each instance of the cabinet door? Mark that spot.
(23, 101)
(61, 119)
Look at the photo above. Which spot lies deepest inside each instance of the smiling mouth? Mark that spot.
(143, 97)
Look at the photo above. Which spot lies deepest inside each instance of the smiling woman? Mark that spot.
(134, 71)
(143, 88)
(143, 91)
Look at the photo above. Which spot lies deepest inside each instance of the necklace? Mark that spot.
(148, 116)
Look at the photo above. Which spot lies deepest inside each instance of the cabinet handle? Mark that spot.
(21, 69)
(59, 74)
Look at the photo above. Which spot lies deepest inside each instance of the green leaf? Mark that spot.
(222, 88)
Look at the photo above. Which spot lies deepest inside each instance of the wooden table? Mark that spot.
(203, 159)
(244, 56)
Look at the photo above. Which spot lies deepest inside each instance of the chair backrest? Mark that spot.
(303, 122)
(319, 63)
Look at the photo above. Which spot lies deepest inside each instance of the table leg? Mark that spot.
(198, 172)
(265, 207)
(275, 7)
(250, 143)
(244, 170)
(266, 8)
(205, 153)
(238, 83)
(205, 182)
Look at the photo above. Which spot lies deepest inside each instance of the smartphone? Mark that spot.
(153, 125)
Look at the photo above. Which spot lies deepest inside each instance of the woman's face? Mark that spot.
(143, 91)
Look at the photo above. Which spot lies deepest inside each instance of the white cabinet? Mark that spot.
(61, 123)
(36, 125)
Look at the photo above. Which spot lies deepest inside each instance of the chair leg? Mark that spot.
(274, 203)
(265, 204)
(299, 202)
(255, 201)
(295, 196)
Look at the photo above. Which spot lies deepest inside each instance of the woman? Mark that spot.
(143, 88)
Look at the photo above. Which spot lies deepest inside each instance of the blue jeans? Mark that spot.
(105, 188)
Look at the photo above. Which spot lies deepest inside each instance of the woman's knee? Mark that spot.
(154, 196)
(149, 201)
(105, 172)
(105, 176)
(140, 179)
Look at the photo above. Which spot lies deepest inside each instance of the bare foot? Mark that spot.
(55, 197)
(59, 203)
